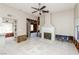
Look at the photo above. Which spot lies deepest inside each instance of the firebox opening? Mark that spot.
(47, 35)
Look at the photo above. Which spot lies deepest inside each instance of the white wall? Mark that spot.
(19, 15)
(64, 22)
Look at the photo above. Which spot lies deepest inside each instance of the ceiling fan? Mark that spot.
(40, 9)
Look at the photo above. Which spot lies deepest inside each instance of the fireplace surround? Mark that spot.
(48, 30)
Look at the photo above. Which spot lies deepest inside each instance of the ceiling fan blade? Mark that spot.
(35, 8)
(45, 11)
(42, 7)
(34, 11)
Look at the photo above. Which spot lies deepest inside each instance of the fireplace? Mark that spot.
(47, 35)
(48, 31)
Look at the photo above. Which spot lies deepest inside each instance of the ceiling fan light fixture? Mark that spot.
(40, 9)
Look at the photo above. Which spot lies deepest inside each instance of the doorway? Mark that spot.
(7, 30)
(32, 28)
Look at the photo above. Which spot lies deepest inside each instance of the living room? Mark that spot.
(57, 29)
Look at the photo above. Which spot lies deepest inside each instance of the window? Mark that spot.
(31, 27)
(6, 28)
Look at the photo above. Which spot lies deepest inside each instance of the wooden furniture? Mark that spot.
(9, 35)
(71, 39)
(21, 38)
(62, 37)
(76, 43)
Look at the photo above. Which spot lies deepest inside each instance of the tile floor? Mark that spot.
(38, 46)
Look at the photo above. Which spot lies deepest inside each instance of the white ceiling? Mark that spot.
(53, 7)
